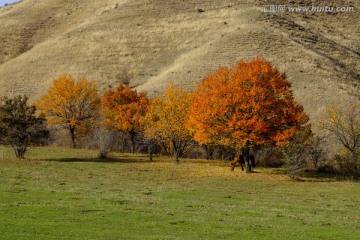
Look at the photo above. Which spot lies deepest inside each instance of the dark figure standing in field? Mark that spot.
(241, 160)
(252, 160)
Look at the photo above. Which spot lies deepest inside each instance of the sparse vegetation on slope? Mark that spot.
(158, 42)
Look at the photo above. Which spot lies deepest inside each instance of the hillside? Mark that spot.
(156, 42)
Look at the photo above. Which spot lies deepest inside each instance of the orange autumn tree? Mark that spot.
(165, 121)
(243, 106)
(70, 102)
(124, 108)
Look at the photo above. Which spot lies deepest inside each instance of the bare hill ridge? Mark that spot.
(160, 41)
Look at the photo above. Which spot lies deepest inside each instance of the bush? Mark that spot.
(348, 163)
(317, 155)
(269, 156)
(327, 168)
(295, 156)
(104, 141)
(19, 125)
(296, 152)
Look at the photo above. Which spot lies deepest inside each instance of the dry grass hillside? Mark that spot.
(160, 41)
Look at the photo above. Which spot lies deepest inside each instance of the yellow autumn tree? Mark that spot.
(165, 121)
(344, 124)
(71, 103)
(123, 110)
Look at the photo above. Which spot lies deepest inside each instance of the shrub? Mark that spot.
(269, 156)
(327, 168)
(348, 163)
(295, 156)
(103, 139)
(19, 126)
(317, 155)
(296, 152)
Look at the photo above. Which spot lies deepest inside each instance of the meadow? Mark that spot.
(60, 193)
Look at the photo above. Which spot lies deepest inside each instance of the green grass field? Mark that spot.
(59, 193)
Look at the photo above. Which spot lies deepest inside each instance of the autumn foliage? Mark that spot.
(71, 103)
(166, 118)
(240, 107)
(123, 109)
(344, 124)
(246, 105)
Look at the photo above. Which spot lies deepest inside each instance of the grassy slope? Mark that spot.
(68, 194)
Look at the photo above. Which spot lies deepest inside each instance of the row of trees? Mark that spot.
(241, 108)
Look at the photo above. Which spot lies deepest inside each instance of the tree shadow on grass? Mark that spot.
(315, 176)
(99, 160)
(278, 171)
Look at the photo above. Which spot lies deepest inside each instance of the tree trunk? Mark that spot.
(209, 151)
(177, 151)
(247, 165)
(246, 154)
(20, 152)
(72, 133)
(150, 151)
(354, 161)
(177, 159)
(132, 136)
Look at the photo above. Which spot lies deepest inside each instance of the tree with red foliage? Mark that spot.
(124, 109)
(243, 106)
